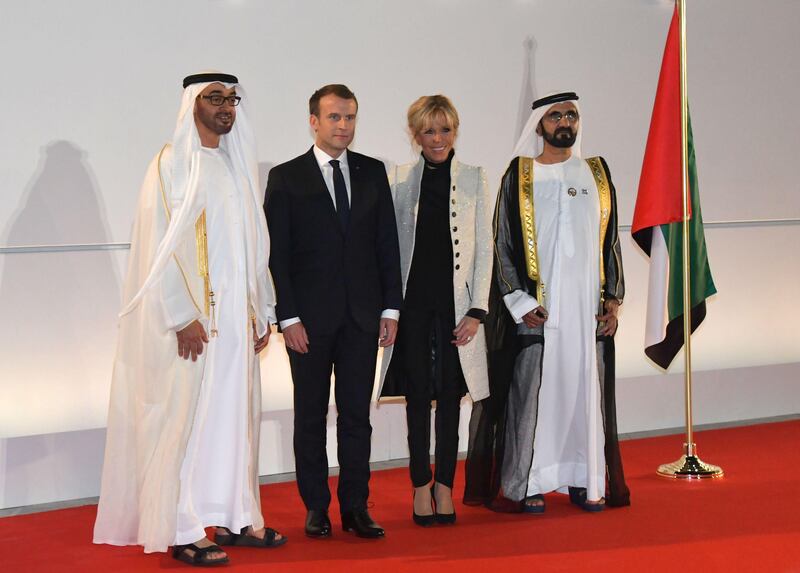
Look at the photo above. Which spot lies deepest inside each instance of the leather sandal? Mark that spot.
(199, 557)
(529, 508)
(577, 495)
(243, 539)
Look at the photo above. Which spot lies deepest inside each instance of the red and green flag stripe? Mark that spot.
(657, 221)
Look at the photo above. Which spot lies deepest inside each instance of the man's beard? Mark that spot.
(562, 137)
(210, 122)
(221, 129)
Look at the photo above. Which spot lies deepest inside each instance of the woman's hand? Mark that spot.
(465, 330)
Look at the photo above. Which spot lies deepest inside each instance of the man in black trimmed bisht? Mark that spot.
(550, 423)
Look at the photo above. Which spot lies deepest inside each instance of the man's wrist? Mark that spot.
(284, 324)
(519, 303)
(391, 313)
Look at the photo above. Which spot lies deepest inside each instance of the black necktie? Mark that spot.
(340, 191)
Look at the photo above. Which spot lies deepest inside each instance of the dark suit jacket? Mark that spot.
(320, 272)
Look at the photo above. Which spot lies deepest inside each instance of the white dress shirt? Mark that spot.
(323, 160)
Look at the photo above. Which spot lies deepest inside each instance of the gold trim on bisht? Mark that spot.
(201, 238)
(202, 254)
(527, 217)
(604, 193)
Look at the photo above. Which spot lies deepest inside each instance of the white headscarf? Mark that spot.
(530, 143)
(240, 146)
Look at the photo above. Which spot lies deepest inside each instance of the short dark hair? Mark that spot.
(339, 90)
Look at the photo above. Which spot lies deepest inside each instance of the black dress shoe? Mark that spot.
(318, 524)
(361, 523)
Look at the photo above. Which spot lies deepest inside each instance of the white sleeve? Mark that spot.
(178, 306)
(519, 303)
(392, 313)
(288, 322)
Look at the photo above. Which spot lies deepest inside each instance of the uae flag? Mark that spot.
(658, 218)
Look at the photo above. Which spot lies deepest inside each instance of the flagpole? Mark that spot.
(689, 466)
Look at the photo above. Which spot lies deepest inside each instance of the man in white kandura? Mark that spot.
(185, 408)
(559, 272)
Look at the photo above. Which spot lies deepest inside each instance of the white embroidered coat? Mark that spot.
(471, 236)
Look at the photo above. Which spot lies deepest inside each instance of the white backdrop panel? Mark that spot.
(94, 87)
(104, 76)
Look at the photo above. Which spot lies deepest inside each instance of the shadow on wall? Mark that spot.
(61, 204)
(58, 309)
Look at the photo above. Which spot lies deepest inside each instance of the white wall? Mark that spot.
(91, 92)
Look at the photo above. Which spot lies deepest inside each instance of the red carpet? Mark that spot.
(747, 521)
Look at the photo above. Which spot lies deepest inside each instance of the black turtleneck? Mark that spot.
(430, 279)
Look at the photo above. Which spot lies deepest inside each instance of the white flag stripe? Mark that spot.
(658, 286)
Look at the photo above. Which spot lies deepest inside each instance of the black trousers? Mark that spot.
(429, 364)
(350, 354)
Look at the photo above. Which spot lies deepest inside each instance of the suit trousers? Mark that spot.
(432, 371)
(350, 353)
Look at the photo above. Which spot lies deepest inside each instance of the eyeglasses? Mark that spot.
(218, 100)
(554, 117)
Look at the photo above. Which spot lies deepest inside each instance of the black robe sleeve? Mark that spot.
(487, 423)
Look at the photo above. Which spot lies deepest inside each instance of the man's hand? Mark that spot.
(296, 338)
(260, 343)
(465, 330)
(190, 340)
(387, 332)
(609, 319)
(536, 317)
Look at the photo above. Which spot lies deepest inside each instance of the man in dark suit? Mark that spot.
(336, 266)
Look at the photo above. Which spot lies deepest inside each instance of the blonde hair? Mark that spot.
(423, 112)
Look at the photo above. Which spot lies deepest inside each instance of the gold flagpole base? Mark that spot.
(689, 466)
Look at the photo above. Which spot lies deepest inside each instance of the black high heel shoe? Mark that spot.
(442, 518)
(422, 520)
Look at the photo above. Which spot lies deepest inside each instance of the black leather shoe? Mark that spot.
(361, 523)
(318, 524)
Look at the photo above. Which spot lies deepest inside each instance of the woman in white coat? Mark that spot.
(444, 213)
